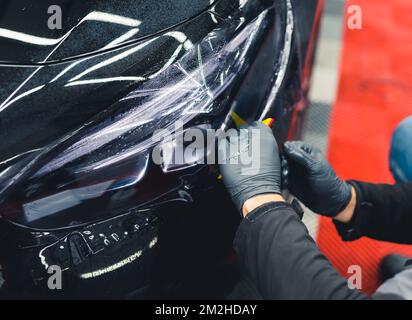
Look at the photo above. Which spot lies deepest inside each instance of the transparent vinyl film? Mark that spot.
(105, 167)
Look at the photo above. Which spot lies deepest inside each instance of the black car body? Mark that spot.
(78, 108)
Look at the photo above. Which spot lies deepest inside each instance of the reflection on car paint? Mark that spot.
(128, 208)
(185, 91)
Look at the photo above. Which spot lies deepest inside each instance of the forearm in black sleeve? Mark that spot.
(278, 254)
(383, 212)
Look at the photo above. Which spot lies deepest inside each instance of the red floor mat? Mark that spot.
(375, 94)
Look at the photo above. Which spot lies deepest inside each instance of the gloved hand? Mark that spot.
(263, 175)
(313, 181)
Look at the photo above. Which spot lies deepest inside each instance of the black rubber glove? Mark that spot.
(313, 181)
(244, 181)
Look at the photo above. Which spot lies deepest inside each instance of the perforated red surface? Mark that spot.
(375, 94)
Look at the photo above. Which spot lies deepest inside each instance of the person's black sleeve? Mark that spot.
(282, 260)
(383, 212)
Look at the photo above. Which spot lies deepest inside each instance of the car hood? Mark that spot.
(30, 31)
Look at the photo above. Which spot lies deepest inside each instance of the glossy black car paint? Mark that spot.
(88, 27)
(37, 107)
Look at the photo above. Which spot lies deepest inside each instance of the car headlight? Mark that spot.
(104, 168)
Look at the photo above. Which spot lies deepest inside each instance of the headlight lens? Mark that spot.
(101, 169)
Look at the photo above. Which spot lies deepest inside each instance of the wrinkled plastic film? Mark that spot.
(183, 91)
(282, 63)
(112, 151)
